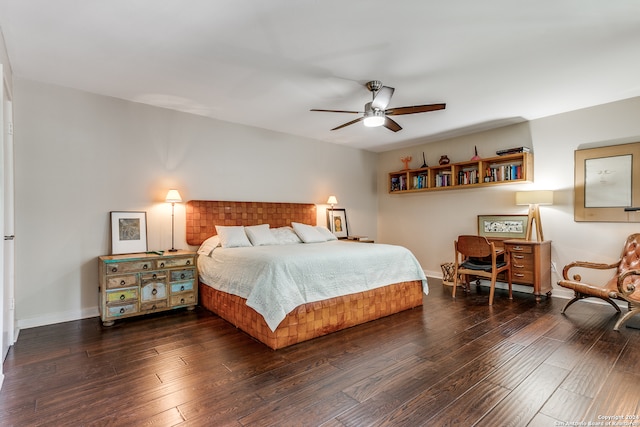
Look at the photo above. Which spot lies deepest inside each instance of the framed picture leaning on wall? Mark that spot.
(337, 222)
(128, 232)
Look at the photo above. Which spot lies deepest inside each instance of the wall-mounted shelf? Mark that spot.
(507, 169)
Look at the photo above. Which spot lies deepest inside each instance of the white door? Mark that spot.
(7, 223)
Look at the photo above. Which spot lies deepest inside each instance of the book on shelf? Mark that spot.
(514, 150)
(358, 238)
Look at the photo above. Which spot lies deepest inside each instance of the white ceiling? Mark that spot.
(266, 63)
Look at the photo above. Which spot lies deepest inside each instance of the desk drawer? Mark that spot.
(521, 275)
(525, 249)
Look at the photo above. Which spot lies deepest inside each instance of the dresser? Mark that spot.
(138, 284)
(530, 264)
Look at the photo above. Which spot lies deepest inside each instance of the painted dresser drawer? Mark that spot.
(182, 287)
(154, 306)
(128, 267)
(122, 281)
(178, 275)
(153, 291)
(122, 309)
(177, 262)
(183, 299)
(122, 295)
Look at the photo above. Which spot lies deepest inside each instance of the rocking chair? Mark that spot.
(624, 285)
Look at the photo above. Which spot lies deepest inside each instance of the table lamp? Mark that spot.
(173, 197)
(534, 199)
(332, 201)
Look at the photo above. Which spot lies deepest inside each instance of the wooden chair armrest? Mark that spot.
(585, 264)
(625, 290)
(588, 289)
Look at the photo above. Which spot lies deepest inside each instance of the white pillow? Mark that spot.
(232, 236)
(285, 235)
(260, 235)
(308, 233)
(209, 245)
(328, 235)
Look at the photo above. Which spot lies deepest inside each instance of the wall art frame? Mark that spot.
(604, 178)
(337, 222)
(503, 226)
(128, 232)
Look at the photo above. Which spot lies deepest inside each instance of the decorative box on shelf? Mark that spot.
(137, 284)
(509, 168)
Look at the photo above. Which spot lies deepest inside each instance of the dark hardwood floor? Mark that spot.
(449, 362)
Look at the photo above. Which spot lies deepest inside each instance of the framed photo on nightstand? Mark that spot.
(337, 222)
(128, 232)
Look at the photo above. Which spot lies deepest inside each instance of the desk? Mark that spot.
(530, 264)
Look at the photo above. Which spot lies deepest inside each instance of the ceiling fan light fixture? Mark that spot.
(374, 119)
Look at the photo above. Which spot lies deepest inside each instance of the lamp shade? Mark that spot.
(539, 197)
(173, 197)
(332, 200)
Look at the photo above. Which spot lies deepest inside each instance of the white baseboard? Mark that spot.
(53, 318)
(556, 293)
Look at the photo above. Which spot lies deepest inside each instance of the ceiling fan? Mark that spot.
(376, 112)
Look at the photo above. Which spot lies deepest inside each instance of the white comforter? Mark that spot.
(276, 279)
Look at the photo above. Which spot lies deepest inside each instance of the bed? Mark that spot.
(292, 320)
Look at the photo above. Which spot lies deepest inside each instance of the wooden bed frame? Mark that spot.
(308, 320)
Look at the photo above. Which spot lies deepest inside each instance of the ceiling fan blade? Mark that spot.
(337, 111)
(415, 109)
(382, 98)
(391, 125)
(349, 123)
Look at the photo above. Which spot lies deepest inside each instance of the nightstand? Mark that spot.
(142, 283)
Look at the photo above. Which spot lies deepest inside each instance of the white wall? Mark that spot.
(80, 156)
(427, 223)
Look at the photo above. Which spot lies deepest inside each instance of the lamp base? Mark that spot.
(172, 250)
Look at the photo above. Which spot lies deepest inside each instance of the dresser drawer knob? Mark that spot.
(182, 276)
(162, 265)
(145, 267)
(518, 266)
(518, 256)
(155, 276)
(122, 297)
(122, 310)
(182, 288)
(181, 300)
(518, 274)
(154, 291)
(517, 248)
(114, 269)
(122, 282)
(153, 307)
(188, 262)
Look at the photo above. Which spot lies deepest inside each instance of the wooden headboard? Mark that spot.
(204, 215)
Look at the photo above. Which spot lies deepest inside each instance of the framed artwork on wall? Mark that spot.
(337, 222)
(503, 226)
(603, 183)
(128, 232)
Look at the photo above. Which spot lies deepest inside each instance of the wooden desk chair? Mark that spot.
(624, 285)
(476, 256)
